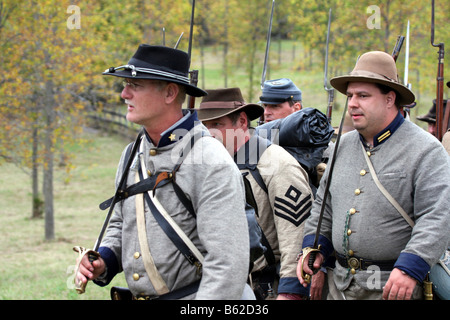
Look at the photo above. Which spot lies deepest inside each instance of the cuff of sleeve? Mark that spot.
(413, 265)
(292, 285)
(111, 265)
(326, 246)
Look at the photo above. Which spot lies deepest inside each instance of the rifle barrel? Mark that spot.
(441, 122)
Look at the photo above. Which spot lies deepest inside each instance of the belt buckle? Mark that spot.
(354, 263)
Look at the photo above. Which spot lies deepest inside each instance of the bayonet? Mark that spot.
(178, 42)
(441, 121)
(163, 36)
(266, 55)
(330, 90)
(405, 76)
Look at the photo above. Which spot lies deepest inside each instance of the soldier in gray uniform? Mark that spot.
(155, 86)
(381, 253)
(278, 184)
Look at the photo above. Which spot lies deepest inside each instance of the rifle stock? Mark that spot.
(398, 47)
(193, 80)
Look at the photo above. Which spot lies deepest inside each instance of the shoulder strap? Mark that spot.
(250, 199)
(384, 191)
(253, 152)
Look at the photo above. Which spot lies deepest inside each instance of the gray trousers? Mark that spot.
(356, 292)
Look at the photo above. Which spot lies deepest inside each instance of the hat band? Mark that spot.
(147, 70)
(220, 104)
(371, 74)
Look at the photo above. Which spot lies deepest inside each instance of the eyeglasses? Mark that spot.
(131, 84)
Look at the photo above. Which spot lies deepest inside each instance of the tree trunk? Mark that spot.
(49, 113)
(37, 201)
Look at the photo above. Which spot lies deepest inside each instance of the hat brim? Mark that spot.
(340, 84)
(252, 110)
(190, 89)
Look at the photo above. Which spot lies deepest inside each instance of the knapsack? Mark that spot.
(305, 134)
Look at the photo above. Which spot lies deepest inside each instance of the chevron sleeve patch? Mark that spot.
(292, 207)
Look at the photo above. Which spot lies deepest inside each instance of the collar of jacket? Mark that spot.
(384, 134)
(178, 130)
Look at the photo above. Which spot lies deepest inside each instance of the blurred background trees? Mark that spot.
(52, 54)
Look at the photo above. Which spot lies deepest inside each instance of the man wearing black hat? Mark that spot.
(280, 98)
(216, 265)
(279, 186)
(386, 214)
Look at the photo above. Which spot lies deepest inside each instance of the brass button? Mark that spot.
(352, 211)
(149, 173)
(349, 232)
(357, 192)
(363, 172)
(136, 277)
(136, 255)
(350, 253)
(368, 153)
(153, 152)
(353, 271)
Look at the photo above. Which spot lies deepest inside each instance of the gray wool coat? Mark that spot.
(415, 169)
(211, 180)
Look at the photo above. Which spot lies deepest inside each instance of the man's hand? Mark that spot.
(89, 271)
(306, 270)
(399, 286)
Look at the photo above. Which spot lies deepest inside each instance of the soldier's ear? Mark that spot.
(171, 92)
(243, 119)
(390, 97)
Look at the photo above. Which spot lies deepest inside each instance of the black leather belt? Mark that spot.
(174, 295)
(119, 293)
(358, 263)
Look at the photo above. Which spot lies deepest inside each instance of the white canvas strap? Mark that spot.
(384, 191)
(149, 264)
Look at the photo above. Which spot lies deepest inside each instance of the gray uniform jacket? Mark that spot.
(415, 169)
(210, 179)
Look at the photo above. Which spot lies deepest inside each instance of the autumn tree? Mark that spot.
(46, 71)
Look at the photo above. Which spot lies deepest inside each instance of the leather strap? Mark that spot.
(384, 191)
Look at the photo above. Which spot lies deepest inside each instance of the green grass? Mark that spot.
(33, 268)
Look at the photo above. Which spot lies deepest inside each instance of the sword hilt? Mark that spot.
(92, 256)
(312, 256)
(311, 259)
